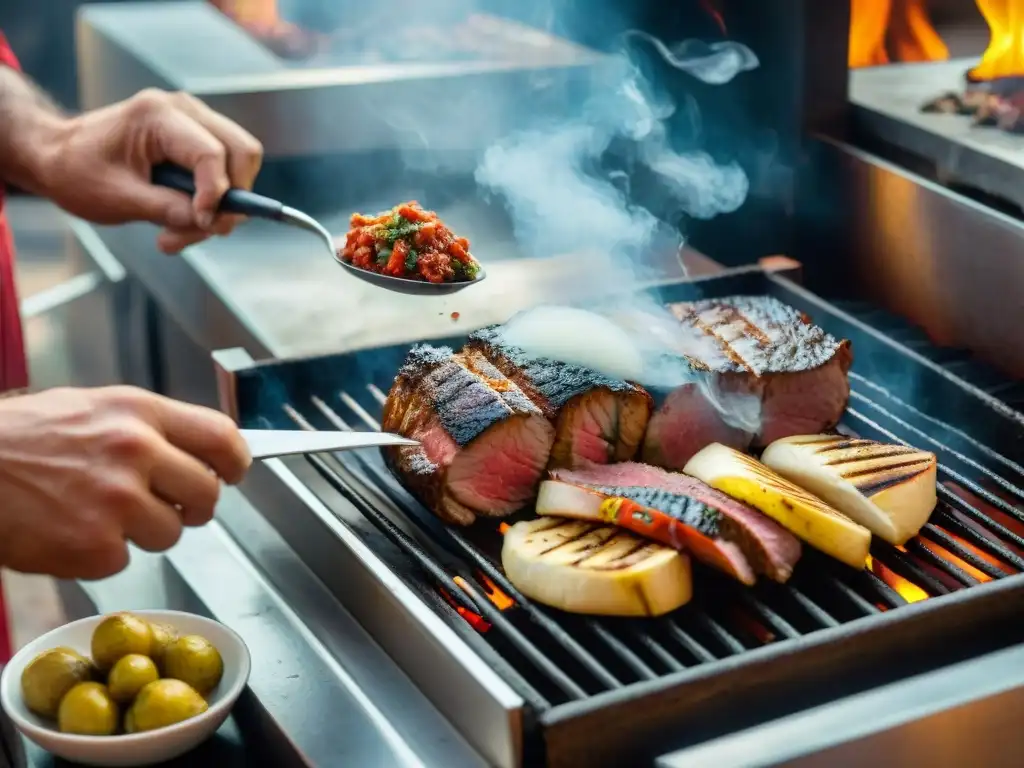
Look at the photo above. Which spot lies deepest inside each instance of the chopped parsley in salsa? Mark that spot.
(409, 242)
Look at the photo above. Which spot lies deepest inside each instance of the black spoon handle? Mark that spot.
(238, 201)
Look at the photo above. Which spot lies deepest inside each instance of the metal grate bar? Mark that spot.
(623, 651)
(978, 538)
(900, 564)
(719, 632)
(967, 483)
(969, 510)
(922, 552)
(933, 533)
(484, 608)
(682, 637)
(887, 594)
(816, 612)
(538, 616)
(952, 499)
(850, 594)
(657, 650)
(976, 444)
(767, 615)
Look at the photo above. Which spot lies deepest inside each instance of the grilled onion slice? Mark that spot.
(805, 516)
(890, 489)
(583, 567)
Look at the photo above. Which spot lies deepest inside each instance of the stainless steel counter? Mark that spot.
(273, 292)
(321, 692)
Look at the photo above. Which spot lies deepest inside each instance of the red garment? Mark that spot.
(13, 365)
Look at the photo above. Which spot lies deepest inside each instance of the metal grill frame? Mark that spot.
(641, 719)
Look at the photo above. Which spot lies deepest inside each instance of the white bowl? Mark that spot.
(137, 748)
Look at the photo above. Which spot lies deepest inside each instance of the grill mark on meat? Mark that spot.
(892, 452)
(778, 338)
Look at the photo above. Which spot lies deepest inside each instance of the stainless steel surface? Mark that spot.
(887, 105)
(321, 690)
(317, 108)
(949, 264)
(486, 711)
(271, 443)
(264, 289)
(966, 714)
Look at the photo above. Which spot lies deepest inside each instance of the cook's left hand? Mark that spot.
(100, 169)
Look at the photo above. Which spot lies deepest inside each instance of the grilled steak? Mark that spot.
(483, 443)
(597, 419)
(768, 547)
(754, 349)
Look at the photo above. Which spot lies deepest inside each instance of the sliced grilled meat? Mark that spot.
(757, 356)
(767, 546)
(668, 518)
(597, 419)
(483, 443)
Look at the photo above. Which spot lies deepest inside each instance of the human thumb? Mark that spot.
(160, 205)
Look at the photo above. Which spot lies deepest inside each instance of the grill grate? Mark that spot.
(962, 546)
(576, 672)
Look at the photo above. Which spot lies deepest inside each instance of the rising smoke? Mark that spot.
(547, 177)
(560, 202)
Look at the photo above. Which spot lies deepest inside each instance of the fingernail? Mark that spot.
(204, 219)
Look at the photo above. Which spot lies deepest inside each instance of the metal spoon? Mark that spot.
(240, 201)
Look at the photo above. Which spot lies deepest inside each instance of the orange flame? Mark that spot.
(1005, 53)
(906, 589)
(902, 26)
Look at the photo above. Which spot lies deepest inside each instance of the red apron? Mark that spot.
(13, 366)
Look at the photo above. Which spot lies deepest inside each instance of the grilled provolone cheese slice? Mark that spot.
(805, 516)
(890, 489)
(595, 569)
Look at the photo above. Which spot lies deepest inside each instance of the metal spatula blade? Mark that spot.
(268, 443)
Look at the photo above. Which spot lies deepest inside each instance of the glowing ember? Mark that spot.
(501, 601)
(478, 622)
(902, 27)
(908, 590)
(503, 528)
(1004, 56)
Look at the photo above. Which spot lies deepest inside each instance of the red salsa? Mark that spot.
(409, 242)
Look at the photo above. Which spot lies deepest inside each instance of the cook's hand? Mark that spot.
(83, 471)
(100, 169)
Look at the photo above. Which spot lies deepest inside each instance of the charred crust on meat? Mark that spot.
(468, 397)
(556, 382)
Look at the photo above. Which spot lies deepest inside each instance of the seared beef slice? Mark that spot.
(483, 443)
(597, 419)
(758, 357)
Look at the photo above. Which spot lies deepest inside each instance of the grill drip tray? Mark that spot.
(569, 690)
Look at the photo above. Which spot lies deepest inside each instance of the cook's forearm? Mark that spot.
(30, 129)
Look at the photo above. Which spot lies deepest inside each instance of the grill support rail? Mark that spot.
(604, 690)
